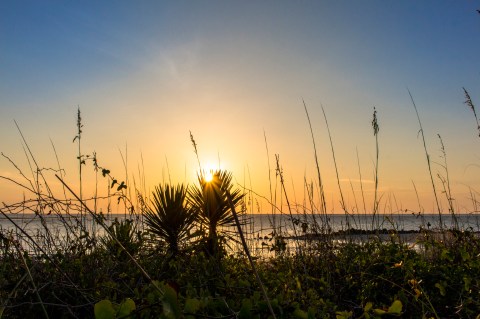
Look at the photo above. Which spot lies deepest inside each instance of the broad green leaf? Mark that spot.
(343, 314)
(275, 301)
(246, 310)
(192, 305)
(445, 255)
(465, 255)
(299, 284)
(441, 287)
(299, 313)
(368, 306)
(396, 307)
(466, 280)
(104, 310)
(379, 311)
(126, 308)
(243, 283)
(171, 308)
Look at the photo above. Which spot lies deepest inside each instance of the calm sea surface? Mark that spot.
(258, 228)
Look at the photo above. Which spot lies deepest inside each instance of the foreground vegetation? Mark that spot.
(171, 257)
(369, 280)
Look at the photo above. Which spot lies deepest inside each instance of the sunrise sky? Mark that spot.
(146, 73)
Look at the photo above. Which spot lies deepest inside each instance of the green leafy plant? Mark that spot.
(104, 309)
(127, 234)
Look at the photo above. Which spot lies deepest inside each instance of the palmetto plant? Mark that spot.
(126, 233)
(169, 217)
(209, 201)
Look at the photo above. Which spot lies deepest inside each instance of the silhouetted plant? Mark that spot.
(469, 103)
(170, 218)
(376, 129)
(427, 156)
(209, 201)
(127, 234)
(80, 157)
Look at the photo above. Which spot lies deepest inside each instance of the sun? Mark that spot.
(209, 169)
(208, 176)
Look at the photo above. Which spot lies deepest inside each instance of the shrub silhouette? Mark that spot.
(209, 201)
(169, 217)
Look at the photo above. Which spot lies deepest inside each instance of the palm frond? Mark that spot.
(126, 233)
(169, 217)
(209, 200)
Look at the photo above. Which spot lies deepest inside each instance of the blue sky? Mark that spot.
(146, 74)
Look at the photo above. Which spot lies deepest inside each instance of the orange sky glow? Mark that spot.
(236, 75)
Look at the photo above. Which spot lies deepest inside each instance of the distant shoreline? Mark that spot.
(385, 234)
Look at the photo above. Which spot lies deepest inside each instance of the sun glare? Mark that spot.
(208, 170)
(208, 176)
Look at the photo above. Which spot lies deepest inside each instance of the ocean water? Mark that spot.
(259, 229)
(337, 222)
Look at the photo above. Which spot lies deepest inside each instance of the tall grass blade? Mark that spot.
(427, 156)
(376, 129)
(247, 252)
(323, 205)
